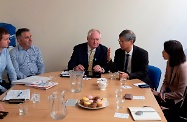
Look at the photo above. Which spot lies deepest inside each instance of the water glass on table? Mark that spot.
(35, 97)
(123, 81)
(113, 75)
(22, 108)
(119, 99)
(76, 78)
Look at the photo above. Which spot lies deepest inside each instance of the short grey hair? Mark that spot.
(91, 31)
(128, 34)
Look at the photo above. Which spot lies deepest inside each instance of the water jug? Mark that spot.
(57, 105)
(76, 78)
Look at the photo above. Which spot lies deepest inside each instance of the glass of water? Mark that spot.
(22, 108)
(113, 75)
(35, 97)
(76, 78)
(119, 99)
(123, 81)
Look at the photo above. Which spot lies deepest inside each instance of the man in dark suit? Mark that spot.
(80, 59)
(130, 60)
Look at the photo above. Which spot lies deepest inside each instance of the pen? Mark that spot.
(19, 94)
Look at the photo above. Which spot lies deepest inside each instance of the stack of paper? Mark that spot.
(148, 113)
(37, 82)
(30, 80)
(42, 85)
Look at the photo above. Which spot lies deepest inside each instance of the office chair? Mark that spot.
(154, 74)
(12, 31)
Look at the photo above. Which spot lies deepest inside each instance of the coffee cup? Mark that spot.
(102, 85)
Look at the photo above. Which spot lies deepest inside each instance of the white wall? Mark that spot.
(58, 25)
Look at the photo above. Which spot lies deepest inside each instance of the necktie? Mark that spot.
(90, 63)
(126, 62)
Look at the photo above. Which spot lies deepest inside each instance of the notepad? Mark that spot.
(148, 113)
(18, 94)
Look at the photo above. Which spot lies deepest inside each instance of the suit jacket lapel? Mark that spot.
(85, 54)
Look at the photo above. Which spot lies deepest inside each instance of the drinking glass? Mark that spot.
(123, 81)
(119, 99)
(76, 78)
(35, 97)
(112, 75)
(22, 108)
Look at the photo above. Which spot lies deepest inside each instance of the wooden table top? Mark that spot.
(38, 112)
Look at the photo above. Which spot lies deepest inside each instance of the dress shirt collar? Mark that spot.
(89, 49)
(21, 48)
(130, 53)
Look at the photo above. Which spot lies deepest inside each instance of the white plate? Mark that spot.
(105, 104)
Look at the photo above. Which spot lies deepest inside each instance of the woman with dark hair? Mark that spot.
(175, 80)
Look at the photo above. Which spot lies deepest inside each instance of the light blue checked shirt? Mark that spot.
(6, 64)
(27, 62)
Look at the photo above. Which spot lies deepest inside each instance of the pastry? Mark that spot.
(91, 101)
(90, 97)
(85, 99)
(96, 98)
(87, 104)
(82, 102)
(93, 105)
(99, 104)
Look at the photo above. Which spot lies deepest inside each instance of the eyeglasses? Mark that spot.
(122, 41)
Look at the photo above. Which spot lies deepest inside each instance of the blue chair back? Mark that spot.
(154, 74)
(12, 31)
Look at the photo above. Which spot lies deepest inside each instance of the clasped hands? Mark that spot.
(96, 68)
(160, 94)
(123, 75)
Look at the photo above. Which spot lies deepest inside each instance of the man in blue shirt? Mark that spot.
(26, 58)
(5, 61)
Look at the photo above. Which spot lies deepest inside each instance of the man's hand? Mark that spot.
(123, 75)
(79, 68)
(98, 68)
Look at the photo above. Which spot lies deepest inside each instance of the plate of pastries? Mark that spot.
(91, 102)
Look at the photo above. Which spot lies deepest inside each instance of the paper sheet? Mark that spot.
(137, 84)
(32, 79)
(121, 115)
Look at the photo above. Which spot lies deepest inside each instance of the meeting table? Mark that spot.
(38, 112)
